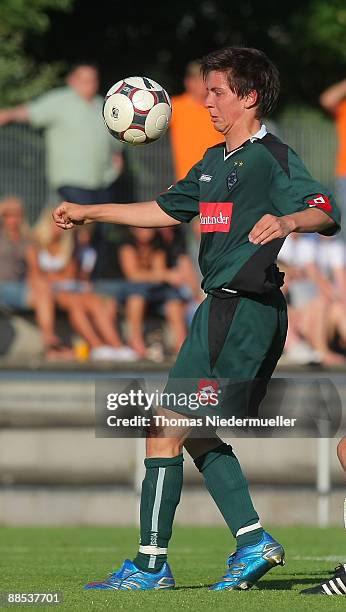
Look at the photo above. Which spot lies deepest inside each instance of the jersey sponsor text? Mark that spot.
(215, 216)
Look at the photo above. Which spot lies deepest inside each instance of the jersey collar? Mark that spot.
(260, 134)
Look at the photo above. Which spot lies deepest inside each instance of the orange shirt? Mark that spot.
(192, 132)
(340, 118)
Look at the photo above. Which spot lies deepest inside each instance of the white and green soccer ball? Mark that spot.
(137, 110)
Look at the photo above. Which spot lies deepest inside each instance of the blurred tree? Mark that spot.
(21, 77)
(305, 39)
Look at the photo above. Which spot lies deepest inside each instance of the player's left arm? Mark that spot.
(270, 227)
(303, 204)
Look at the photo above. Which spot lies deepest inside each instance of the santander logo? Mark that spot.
(215, 216)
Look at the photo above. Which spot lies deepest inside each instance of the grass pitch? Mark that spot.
(64, 559)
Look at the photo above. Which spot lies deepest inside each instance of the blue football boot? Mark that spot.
(130, 577)
(250, 563)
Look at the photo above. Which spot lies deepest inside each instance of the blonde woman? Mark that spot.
(20, 289)
(51, 257)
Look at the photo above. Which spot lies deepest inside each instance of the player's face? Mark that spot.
(225, 107)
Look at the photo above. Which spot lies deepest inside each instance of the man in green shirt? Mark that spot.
(83, 160)
(249, 193)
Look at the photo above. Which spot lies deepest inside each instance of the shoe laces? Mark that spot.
(340, 570)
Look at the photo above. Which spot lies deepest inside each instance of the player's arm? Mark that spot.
(303, 204)
(179, 204)
(17, 114)
(270, 227)
(331, 97)
(144, 214)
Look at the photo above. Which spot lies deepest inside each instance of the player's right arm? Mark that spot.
(179, 204)
(144, 214)
(17, 114)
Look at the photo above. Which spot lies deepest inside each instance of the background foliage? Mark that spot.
(39, 39)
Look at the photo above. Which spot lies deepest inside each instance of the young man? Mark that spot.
(249, 193)
(337, 584)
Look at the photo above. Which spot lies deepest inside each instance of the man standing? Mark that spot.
(333, 100)
(83, 161)
(250, 193)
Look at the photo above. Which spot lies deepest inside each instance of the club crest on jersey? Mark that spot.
(215, 216)
(232, 179)
(321, 201)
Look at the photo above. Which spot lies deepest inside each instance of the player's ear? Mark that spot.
(251, 99)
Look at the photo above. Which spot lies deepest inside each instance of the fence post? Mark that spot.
(323, 481)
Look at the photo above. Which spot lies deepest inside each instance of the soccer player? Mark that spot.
(337, 584)
(250, 193)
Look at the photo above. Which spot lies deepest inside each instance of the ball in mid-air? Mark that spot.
(137, 110)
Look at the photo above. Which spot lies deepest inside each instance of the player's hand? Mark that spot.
(66, 215)
(269, 228)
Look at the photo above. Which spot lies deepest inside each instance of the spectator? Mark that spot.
(143, 261)
(83, 160)
(312, 299)
(333, 100)
(185, 279)
(21, 289)
(85, 254)
(191, 130)
(51, 258)
(331, 261)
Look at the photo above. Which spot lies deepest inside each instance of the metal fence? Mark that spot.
(22, 162)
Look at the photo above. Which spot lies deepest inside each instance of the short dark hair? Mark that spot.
(82, 64)
(247, 70)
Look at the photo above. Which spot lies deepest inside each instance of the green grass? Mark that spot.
(63, 559)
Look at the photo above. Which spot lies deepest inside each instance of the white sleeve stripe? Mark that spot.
(341, 584)
(334, 587)
(326, 590)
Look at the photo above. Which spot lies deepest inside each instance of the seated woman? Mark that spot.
(315, 307)
(51, 258)
(21, 289)
(143, 262)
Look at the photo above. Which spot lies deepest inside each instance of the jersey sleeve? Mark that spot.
(293, 189)
(43, 110)
(181, 201)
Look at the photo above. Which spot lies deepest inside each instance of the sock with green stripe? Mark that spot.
(161, 489)
(228, 487)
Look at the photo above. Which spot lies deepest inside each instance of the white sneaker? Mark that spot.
(109, 353)
(302, 354)
(125, 353)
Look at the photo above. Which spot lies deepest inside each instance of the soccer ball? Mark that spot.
(137, 110)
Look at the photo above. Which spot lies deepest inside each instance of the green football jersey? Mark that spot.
(231, 191)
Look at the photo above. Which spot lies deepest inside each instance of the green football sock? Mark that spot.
(160, 496)
(228, 487)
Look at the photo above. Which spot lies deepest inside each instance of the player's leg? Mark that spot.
(228, 487)
(247, 357)
(337, 584)
(161, 489)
